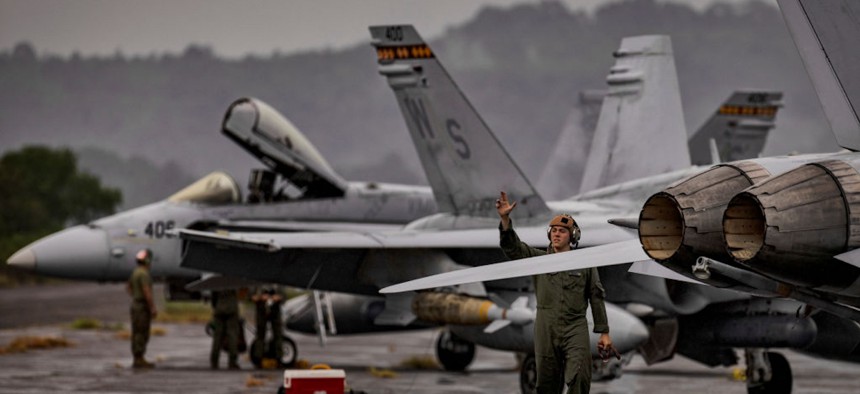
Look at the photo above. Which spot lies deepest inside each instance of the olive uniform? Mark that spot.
(561, 328)
(141, 316)
(225, 318)
(268, 313)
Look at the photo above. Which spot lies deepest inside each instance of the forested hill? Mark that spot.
(522, 67)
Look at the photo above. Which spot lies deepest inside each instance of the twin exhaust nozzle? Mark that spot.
(787, 227)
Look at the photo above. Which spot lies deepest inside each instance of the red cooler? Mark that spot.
(314, 381)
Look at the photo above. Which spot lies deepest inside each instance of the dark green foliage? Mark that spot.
(42, 191)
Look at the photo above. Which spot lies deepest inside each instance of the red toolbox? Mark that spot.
(314, 381)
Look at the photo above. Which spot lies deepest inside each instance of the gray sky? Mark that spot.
(232, 28)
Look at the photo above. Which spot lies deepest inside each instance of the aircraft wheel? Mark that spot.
(528, 375)
(781, 380)
(454, 353)
(290, 352)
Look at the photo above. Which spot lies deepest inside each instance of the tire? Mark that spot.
(290, 351)
(454, 353)
(528, 375)
(781, 380)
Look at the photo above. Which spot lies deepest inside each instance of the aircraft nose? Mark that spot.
(78, 252)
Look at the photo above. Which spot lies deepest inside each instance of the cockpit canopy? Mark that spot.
(214, 189)
(265, 133)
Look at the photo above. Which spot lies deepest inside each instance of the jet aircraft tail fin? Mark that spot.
(739, 127)
(464, 161)
(641, 117)
(827, 35)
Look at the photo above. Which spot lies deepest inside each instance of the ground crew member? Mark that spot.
(268, 313)
(562, 351)
(142, 307)
(225, 319)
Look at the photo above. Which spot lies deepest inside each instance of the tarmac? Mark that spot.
(99, 361)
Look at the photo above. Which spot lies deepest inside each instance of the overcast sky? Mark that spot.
(232, 28)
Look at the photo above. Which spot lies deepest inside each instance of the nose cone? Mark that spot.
(78, 252)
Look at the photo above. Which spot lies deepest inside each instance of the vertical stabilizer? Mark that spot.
(464, 162)
(739, 127)
(827, 35)
(563, 172)
(641, 129)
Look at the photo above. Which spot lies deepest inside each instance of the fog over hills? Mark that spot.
(522, 68)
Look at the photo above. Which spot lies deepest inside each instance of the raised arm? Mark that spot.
(504, 208)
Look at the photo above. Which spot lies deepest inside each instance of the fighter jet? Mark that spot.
(760, 225)
(298, 190)
(467, 166)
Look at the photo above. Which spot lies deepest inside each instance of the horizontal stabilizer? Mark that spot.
(597, 256)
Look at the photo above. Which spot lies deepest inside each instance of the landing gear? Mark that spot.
(528, 374)
(767, 372)
(454, 353)
(290, 352)
(261, 350)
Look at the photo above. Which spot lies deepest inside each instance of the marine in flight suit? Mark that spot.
(562, 351)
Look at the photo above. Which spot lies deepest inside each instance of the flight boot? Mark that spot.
(141, 363)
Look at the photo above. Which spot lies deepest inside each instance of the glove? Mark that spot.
(607, 351)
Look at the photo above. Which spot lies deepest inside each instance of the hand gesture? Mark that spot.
(504, 208)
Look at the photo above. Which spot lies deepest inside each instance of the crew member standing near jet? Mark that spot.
(142, 307)
(561, 329)
(225, 317)
(268, 313)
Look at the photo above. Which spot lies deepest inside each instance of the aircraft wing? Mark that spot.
(358, 262)
(218, 282)
(286, 226)
(598, 256)
(276, 241)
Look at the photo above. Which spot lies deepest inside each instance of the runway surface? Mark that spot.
(99, 362)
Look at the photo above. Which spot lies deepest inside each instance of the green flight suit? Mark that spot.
(268, 313)
(225, 318)
(561, 328)
(141, 316)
